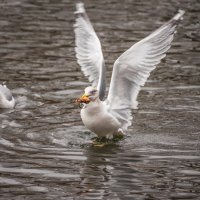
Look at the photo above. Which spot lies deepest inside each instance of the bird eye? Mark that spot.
(93, 91)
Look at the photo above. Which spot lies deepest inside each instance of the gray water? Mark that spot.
(46, 152)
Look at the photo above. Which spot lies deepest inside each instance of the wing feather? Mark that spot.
(88, 50)
(133, 67)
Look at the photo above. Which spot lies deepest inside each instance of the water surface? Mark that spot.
(45, 149)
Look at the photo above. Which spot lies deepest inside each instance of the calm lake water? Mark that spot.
(45, 150)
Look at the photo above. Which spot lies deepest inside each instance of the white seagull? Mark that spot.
(6, 98)
(112, 116)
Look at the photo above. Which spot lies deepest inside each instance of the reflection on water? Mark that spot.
(46, 152)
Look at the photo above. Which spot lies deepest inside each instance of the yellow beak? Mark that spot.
(83, 99)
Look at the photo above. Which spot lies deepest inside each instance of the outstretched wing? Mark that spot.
(133, 67)
(88, 50)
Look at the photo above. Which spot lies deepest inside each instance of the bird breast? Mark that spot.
(97, 119)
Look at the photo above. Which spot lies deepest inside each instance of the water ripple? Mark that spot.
(46, 152)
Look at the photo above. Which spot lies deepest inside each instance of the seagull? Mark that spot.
(111, 116)
(6, 98)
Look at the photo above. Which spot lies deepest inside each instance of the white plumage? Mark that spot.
(6, 98)
(130, 72)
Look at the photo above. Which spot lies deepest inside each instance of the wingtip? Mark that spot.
(179, 15)
(79, 8)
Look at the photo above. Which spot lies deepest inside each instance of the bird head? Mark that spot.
(91, 94)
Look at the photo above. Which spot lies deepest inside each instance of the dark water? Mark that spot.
(45, 150)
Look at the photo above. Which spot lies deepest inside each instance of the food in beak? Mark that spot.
(83, 99)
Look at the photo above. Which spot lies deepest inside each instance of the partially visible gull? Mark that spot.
(112, 116)
(6, 98)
